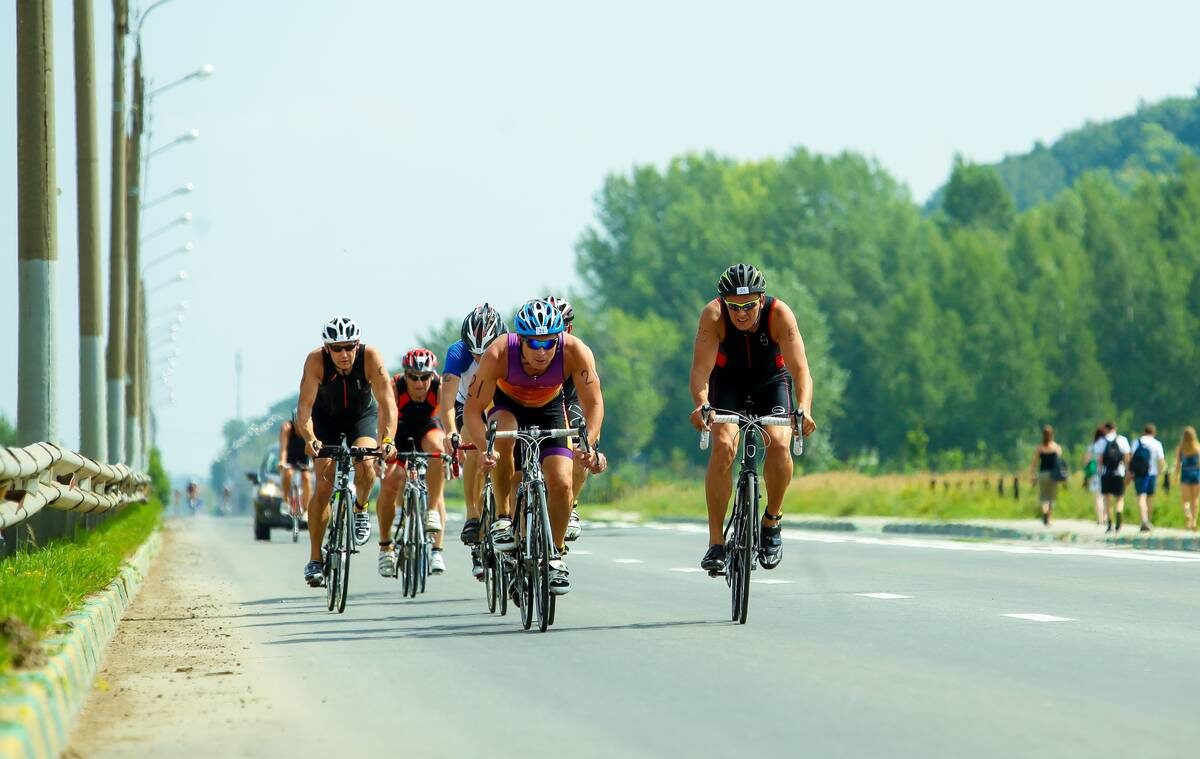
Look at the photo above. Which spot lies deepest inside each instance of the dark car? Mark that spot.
(269, 509)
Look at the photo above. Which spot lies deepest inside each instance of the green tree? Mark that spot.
(8, 433)
(976, 197)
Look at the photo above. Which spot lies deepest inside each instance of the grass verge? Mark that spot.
(957, 496)
(37, 588)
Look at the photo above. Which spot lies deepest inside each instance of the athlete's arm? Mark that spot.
(785, 332)
(704, 358)
(384, 392)
(581, 364)
(310, 381)
(480, 394)
(446, 395)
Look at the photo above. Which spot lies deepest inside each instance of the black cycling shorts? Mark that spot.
(330, 429)
(772, 398)
(552, 416)
(415, 432)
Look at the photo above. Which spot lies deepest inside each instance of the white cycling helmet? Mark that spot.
(340, 329)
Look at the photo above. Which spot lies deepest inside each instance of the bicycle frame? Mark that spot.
(339, 532)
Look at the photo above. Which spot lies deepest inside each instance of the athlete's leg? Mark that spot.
(285, 479)
(364, 473)
(778, 468)
(557, 471)
(385, 507)
(318, 507)
(306, 483)
(718, 484)
(435, 480)
(502, 475)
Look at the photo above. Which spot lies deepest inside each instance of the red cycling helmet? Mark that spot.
(420, 360)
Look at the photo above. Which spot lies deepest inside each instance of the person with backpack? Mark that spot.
(1187, 463)
(1145, 463)
(1046, 471)
(1091, 475)
(1112, 451)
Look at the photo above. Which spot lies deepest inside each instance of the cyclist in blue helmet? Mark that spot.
(521, 378)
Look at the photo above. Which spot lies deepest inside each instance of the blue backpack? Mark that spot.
(1140, 463)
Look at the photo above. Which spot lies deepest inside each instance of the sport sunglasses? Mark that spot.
(343, 348)
(541, 345)
(742, 306)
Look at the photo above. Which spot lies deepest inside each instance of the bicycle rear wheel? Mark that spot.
(523, 576)
(744, 531)
(487, 557)
(330, 559)
(541, 555)
(346, 548)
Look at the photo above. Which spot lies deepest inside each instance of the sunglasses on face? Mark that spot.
(343, 348)
(541, 345)
(735, 307)
(418, 377)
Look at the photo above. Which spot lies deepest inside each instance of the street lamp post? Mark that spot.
(117, 272)
(181, 190)
(187, 247)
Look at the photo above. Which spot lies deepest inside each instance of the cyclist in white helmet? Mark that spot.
(345, 390)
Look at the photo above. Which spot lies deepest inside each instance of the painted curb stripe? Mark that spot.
(36, 720)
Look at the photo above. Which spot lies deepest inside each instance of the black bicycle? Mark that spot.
(528, 564)
(743, 529)
(339, 535)
(414, 544)
(494, 576)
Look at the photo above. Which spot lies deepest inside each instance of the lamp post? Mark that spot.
(180, 277)
(181, 190)
(187, 247)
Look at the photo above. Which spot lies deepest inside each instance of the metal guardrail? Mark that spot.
(43, 475)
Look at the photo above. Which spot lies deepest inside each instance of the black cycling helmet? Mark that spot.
(481, 327)
(741, 279)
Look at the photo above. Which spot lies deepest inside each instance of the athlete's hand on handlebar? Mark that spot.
(314, 447)
(807, 425)
(450, 443)
(592, 460)
(388, 452)
(701, 416)
(488, 460)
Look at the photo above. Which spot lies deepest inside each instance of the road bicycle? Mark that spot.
(744, 527)
(339, 535)
(482, 550)
(414, 545)
(528, 564)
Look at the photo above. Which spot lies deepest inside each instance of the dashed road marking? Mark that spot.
(773, 582)
(580, 552)
(884, 596)
(628, 561)
(686, 569)
(1040, 617)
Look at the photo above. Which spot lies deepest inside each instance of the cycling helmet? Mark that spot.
(564, 308)
(537, 317)
(340, 329)
(481, 327)
(741, 279)
(420, 360)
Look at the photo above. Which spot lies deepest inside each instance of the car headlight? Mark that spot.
(270, 490)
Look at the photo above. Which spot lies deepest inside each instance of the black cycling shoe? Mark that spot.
(770, 547)
(470, 532)
(714, 559)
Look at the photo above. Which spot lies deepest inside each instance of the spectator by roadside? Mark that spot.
(1091, 475)
(1043, 471)
(1187, 463)
(1145, 464)
(1112, 451)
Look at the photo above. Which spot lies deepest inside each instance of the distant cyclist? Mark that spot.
(748, 351)
(522, 378)
(579, 473)
(479, 329)
(345, 390)
(419, 429)
(293, 456)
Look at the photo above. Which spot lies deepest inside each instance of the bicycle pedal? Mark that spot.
(716, 573)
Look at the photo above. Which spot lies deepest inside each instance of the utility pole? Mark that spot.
(116, 244)
(133, 341)
(37, 244)
(93, 439)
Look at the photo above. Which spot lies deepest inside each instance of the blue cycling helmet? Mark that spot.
(537, 317)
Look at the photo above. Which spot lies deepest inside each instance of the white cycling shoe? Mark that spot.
(433, 521)
(437, 564)
(387, 563)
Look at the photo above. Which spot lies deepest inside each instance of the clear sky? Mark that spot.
(400, 161)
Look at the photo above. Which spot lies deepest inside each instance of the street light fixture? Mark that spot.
(180, 277)
(187, 247)
(189, 136)
(203, 72)
(184, 218)
(182, 190)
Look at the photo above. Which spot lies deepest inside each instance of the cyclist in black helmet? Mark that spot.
(747, 356)
(345, 390)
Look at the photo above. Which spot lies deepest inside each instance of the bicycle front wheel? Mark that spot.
(744, 541)
(346, 548)
(330, 558)
(540, 541)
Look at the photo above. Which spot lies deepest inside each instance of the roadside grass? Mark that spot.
(38, 587)
(955, 496)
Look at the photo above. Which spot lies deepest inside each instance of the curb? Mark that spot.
(36, 716)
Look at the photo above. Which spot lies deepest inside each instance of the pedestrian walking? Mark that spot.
(1045, 471)
(1187, 463)
(1145, 463)
(1091, 475)
(1112, 451)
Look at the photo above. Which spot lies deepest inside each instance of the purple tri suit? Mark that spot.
(534, 401)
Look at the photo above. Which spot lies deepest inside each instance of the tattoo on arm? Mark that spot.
(474, 388)
(587, 376)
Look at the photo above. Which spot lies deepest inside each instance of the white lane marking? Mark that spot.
(686, 569)
(580, 552)
(773, 582)
(884, 596)
(951, 545)
(1039, 617)
(628, 561)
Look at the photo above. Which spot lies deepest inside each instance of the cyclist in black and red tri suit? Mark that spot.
(419, 429)
(748, 351)
(345, 390)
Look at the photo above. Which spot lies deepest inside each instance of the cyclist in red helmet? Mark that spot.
(418, 429)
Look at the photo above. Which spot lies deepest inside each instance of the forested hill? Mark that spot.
(1153, 139)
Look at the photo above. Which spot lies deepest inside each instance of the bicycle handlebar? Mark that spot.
(331, 451)
(795, 420)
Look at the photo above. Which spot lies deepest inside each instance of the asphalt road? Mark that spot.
(854, 647)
